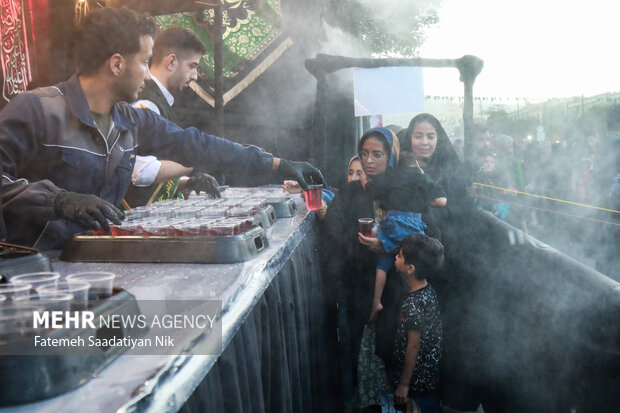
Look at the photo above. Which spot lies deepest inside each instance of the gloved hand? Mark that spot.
(301, 172)
(200, 181)
(87, 209)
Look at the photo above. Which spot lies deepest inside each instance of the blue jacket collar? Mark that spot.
(79, 106)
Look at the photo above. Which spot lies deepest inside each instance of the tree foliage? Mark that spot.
(387, 28)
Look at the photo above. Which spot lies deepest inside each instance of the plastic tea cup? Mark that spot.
(36, 279)
(101, 283)
(55, 302)
(77, 288)
(11, 291)
(17, 320)
(366, 225)
(314, 197)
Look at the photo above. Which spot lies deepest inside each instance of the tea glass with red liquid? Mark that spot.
(314, 197)
(366, 227)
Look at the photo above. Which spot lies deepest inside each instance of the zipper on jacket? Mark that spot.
(107, 156)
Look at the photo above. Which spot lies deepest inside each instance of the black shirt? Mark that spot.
(420, 312)
(404, 189)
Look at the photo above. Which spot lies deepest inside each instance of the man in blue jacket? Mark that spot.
(68, 150)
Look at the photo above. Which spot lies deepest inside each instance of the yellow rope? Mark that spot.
(546, 197)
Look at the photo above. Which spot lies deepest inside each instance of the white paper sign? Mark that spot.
(386, 90)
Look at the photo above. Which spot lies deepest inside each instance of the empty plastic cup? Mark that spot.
(101, 283)
(55, 302)
(78, 289)
(36, 279)
(17, 320)
(11, 291)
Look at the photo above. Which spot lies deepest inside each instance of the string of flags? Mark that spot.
(482, 98)
(611, 97)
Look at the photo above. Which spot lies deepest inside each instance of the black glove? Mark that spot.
(200, 181)
(300, 172)
(88, 210)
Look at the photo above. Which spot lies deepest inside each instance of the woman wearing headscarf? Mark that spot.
(351, 263)
(460, 227)
(355, 170)
(432, 148)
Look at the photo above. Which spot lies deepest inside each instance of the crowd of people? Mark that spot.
(411, 185)
(69, 153)
(564, 190)
(415, 182)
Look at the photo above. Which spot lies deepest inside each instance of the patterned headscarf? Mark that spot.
(388, 137)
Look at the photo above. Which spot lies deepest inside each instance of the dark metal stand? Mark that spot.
(468, 66)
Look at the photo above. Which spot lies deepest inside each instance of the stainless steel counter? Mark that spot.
(168, 381)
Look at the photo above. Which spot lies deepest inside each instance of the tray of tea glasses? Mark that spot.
(216, 249)
(197, 230)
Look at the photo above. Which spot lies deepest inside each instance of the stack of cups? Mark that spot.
(74, 292)
(100, 283)
(45, 291)
(36, 280)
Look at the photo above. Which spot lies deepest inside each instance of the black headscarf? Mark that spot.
(444, 160)
(444, 166)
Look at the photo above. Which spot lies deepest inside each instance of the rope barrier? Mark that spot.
(546, 197)
(548, 210)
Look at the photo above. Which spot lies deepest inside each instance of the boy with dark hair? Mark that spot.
(415, 370)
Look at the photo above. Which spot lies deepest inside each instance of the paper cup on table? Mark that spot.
(36, 279)
(101, 283)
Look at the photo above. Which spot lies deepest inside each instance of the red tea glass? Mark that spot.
(366, 225)
(314, 197)
(220, 230)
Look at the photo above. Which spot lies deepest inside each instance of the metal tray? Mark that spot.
(267, 216)
(284, 209)
(135, 248)
(30, 377)
(15, 259)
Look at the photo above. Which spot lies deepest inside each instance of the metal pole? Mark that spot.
(468, 119)
(469, 67)
(218, 69)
